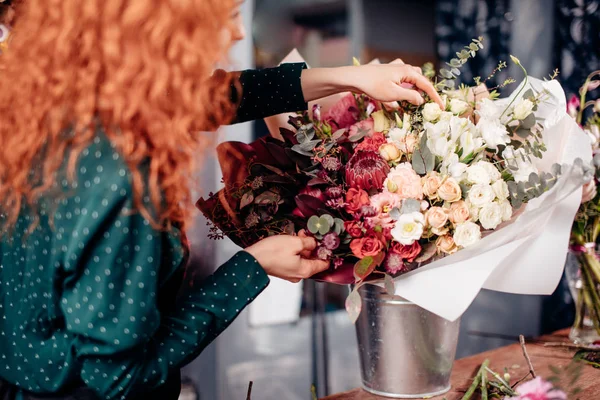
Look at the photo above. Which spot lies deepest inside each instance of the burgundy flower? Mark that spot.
(331, 164)
(366, 170)
(334, 192)
(314, 192)
(331, 241)
(338, 262)
(394, 264)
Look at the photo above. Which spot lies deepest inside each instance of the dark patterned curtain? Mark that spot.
(460, 21)
(577, 42)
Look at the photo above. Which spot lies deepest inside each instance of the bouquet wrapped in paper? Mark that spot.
(434, 204)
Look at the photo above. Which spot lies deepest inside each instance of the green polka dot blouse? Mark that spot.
(88, 297)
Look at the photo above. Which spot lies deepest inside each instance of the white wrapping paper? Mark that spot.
(526, 256)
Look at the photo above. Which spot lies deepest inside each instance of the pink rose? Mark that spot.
(354, 228)
(364, 127)
(355, 199)
(405, 182)
(445, 244)
(366, 246)
(436, 217)
(459, 212)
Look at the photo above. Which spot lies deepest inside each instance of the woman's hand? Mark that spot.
(386, 83)
(287, 257)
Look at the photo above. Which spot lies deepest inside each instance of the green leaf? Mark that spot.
(554, 369)
(523, 133)
(325, 224)
(247, 199)
(429, 251)
(423, 160)
(338, 134)
(364, 267)
(410, 206)
(473, 47)
(313, 224)
(353, 305)
(338, 226)
(446, 74)
(528, 94)
(299, 150)
(267, 197)
(528, 122)
(388, 282)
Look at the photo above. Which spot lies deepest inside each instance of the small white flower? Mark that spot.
(409, 228)
(431, 112)
(507, 210)
(489, 110)
(490, 215)
(478, 174)
(523, 109)
(397, 134)
(457, 106)
(467, 234)
(493, 133)
(457, 170)
(439, 146)
(500, 189)
(459, 127)
(446, 116)
(439, 129)
(473, 211)
(481, 194)
(470, 144)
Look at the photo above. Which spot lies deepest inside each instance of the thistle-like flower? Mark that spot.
(366, 170)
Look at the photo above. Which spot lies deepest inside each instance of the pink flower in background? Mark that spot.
(343, 113)
(365, 127)
(404, 181)
(538, 389)
(573, 106)
(384, 203)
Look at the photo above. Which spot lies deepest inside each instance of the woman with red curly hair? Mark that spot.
(99, 102)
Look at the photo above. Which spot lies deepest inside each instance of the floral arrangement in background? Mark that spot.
(586, 227)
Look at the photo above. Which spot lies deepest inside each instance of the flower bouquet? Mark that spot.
(412, 198)
(585, 280)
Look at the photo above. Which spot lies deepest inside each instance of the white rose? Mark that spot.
(523, 109)
(507, 210)
(493, 133)
(397, 134)
(467, 234)
(457, 170)
(409, 228)
(481, 194)
(500, 189)
(490, 216)
(457, 106)
(491, 170)
(446, 116)
(473, 212)
(478, 174)
(487, 109)
(431, 112)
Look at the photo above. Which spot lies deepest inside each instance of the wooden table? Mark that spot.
(512, 358)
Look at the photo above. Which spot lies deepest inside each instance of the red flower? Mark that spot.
(366, 246)
(354, 228)
(372, 143)
(355, 199)
(408, 253)
(366, 170)
(343, 114)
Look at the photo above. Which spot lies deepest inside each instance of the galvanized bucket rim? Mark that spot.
(372, 292)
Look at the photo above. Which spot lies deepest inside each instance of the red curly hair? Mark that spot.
(141, 69)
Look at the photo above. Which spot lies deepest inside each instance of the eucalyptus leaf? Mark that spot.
(353, 305)
(296, 148)
(528, 122)
(528, 94)
(395, 214)
(423, 161)
(388, 282)
(410, 206)
(446, 74)
(338, 226)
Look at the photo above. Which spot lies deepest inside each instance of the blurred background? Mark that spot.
(295, 336)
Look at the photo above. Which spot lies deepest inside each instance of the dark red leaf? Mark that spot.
(309, 205)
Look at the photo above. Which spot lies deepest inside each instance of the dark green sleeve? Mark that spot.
(270, 91)
(110, 297)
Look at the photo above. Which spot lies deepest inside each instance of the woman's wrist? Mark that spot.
(322, 82)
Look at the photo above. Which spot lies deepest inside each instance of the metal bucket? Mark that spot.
(405, 351)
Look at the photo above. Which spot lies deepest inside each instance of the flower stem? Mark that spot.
(476, 381)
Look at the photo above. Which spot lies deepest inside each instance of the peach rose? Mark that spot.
(450, 190)
(459, 212)
(408, 143)
(389, 152)
(436, 217)
(431, 183)
(445, 244)
(405, 182)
